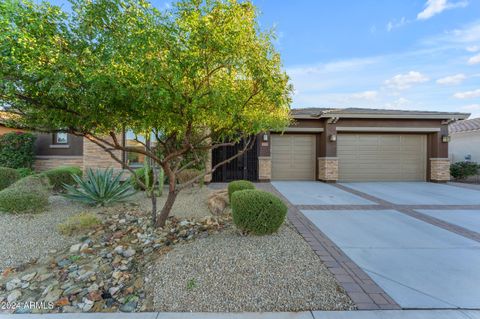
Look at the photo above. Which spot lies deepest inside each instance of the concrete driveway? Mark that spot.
(419, 242)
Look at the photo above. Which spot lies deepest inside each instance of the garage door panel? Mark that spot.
(293, 157)
(381, 157)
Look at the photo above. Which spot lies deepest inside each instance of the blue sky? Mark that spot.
(395, 54)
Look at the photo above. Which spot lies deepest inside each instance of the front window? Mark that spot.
(61, 138)
(134, 159)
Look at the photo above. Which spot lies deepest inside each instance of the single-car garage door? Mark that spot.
(382, 157)
(293, 157)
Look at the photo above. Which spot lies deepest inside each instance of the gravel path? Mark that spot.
(228, 272)
(28, 236)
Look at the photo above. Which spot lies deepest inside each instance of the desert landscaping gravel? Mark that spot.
(190, 203)
(26, 237)
(30, 236)
(229, 272)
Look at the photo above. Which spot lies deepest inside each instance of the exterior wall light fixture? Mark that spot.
(445, 138)
(265, 137)
(333, 138)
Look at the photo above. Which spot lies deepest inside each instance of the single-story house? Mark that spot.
(351, 144)
(465, 141)
(324, 144)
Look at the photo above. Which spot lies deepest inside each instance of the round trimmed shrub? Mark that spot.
(238, 186)
(62, 175)
(257, 212)
(28, 195)
(8, 176)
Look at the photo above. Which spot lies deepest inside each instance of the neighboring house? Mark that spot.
(3, 127)
(323, 144)
(465, 141)
(349, 145)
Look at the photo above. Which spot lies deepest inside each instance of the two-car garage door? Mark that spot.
(361, 157)
(381, 157)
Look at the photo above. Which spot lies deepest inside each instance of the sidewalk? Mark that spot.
(375, 314)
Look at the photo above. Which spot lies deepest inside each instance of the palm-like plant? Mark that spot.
(99, 188)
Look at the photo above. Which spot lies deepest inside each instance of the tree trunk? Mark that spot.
(151, 190)
(154, 208)
(172, 196)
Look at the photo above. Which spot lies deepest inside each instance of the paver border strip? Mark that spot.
(364, 292)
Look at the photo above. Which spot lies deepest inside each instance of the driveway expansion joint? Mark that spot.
(411, 210)
(358, 285)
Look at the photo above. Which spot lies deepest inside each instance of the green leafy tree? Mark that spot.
(197, 76)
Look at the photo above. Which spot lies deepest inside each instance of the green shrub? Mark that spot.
(257, 212)
(24, 172)
(238, 186)
(100, 188)
(62, 175)
(462, 170)
(8, 176)
(188, 174)
(28, 195)
(17, 150)
(37, 179)
(140, 172)
(79, 223)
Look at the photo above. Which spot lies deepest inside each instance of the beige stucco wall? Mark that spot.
(463, 144)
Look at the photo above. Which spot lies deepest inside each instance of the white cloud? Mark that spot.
(398, 104)
(366, 95)
(452, 79)
(434, 7)
(471, 107)
(405, 81)
(467, 94)
(396, 24)
(473, 48)
(474, 59)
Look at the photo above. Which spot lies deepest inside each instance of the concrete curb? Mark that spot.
(366, 314)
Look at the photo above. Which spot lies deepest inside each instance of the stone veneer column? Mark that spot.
(264, 168)
(95, 157)
(439, 169)
(208, 166)
(328, 169)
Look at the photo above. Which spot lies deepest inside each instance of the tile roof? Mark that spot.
(317, 112)
(465, 125)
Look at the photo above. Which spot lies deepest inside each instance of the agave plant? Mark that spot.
(99, 188)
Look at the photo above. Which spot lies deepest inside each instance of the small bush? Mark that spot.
(79, 223)
(188, 174)
(62, 175)
(238, 186)
(24, 172)
(100, 188)
(462, 170)
(37, 179)
(17, 150)
(28, 195)
(8, 176)
(257, 212)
